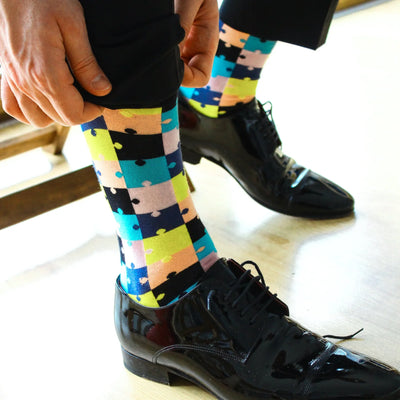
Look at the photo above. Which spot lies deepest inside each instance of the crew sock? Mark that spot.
(165, 249)
(236, 70)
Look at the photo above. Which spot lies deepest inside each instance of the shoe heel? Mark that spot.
(145, 369)
(190, 156)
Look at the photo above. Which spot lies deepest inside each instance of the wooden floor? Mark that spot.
(337, 110)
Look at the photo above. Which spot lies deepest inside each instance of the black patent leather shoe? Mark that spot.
(232, 337)
(246, 144)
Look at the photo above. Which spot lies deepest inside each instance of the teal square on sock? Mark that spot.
(253, 43)
(170, 120)
(148, 172)
(221, 67)
(129, 228)
(187, 91)
(207, 244)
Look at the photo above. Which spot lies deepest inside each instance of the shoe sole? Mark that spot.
(194, 158)
(165, 375)
(159, 373)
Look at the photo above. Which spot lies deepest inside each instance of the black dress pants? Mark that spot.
(136, 42)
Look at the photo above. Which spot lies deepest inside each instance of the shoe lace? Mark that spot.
(243, 285)
(267, 126)
(268, 141)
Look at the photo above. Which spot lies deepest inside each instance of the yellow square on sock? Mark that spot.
(101, 146)
(130, 112)
(206, 109)
(147, 299)
(181, 187)
(241, 87)
(166, 244)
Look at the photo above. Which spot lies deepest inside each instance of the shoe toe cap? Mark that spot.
(319, 197)
(349, 375)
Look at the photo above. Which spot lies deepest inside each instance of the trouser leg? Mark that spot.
(136, 44)
(302, 22)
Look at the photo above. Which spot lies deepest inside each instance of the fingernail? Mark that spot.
(101, 83)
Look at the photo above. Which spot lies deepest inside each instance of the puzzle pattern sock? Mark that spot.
(236, 70)
(165, 248)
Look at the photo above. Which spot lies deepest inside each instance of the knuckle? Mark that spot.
(42, 123)
(72, 120)
(38, 77)
(9, 108)
(84, 64)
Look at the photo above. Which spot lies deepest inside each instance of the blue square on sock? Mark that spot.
(243, 72)
(97, 123)
(207, 97)
(137, 281)
(146, 172)
(175, 163)
(129, 228)
(169, 218)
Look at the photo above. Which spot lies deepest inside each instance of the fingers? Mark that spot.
(72, 110)
(82, 60)
(197, 70)
(33, 113)
(38, 86)
(10, 103)
(23, 108)
(200, 21)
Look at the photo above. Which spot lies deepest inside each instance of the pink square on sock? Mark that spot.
(171, 141)
(253, 59)
(134, 254)
(109, 173)
(218, 83)
(152, 198)
(209, 261)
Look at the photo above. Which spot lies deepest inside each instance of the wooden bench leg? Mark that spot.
(190, 183)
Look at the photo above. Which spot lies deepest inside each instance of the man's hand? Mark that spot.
(199, 19)
(36, 38)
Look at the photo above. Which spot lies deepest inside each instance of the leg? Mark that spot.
(135, 146)
(226, 331)
(243, 127)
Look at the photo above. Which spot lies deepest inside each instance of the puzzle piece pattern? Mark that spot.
(236, 70)
(138, 161)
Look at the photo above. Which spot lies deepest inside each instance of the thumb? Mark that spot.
(84, 65)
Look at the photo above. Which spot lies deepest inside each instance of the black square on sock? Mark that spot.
(119, 199)
(229, 53)
(196, 229)
(177, 284)
(137, 147)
